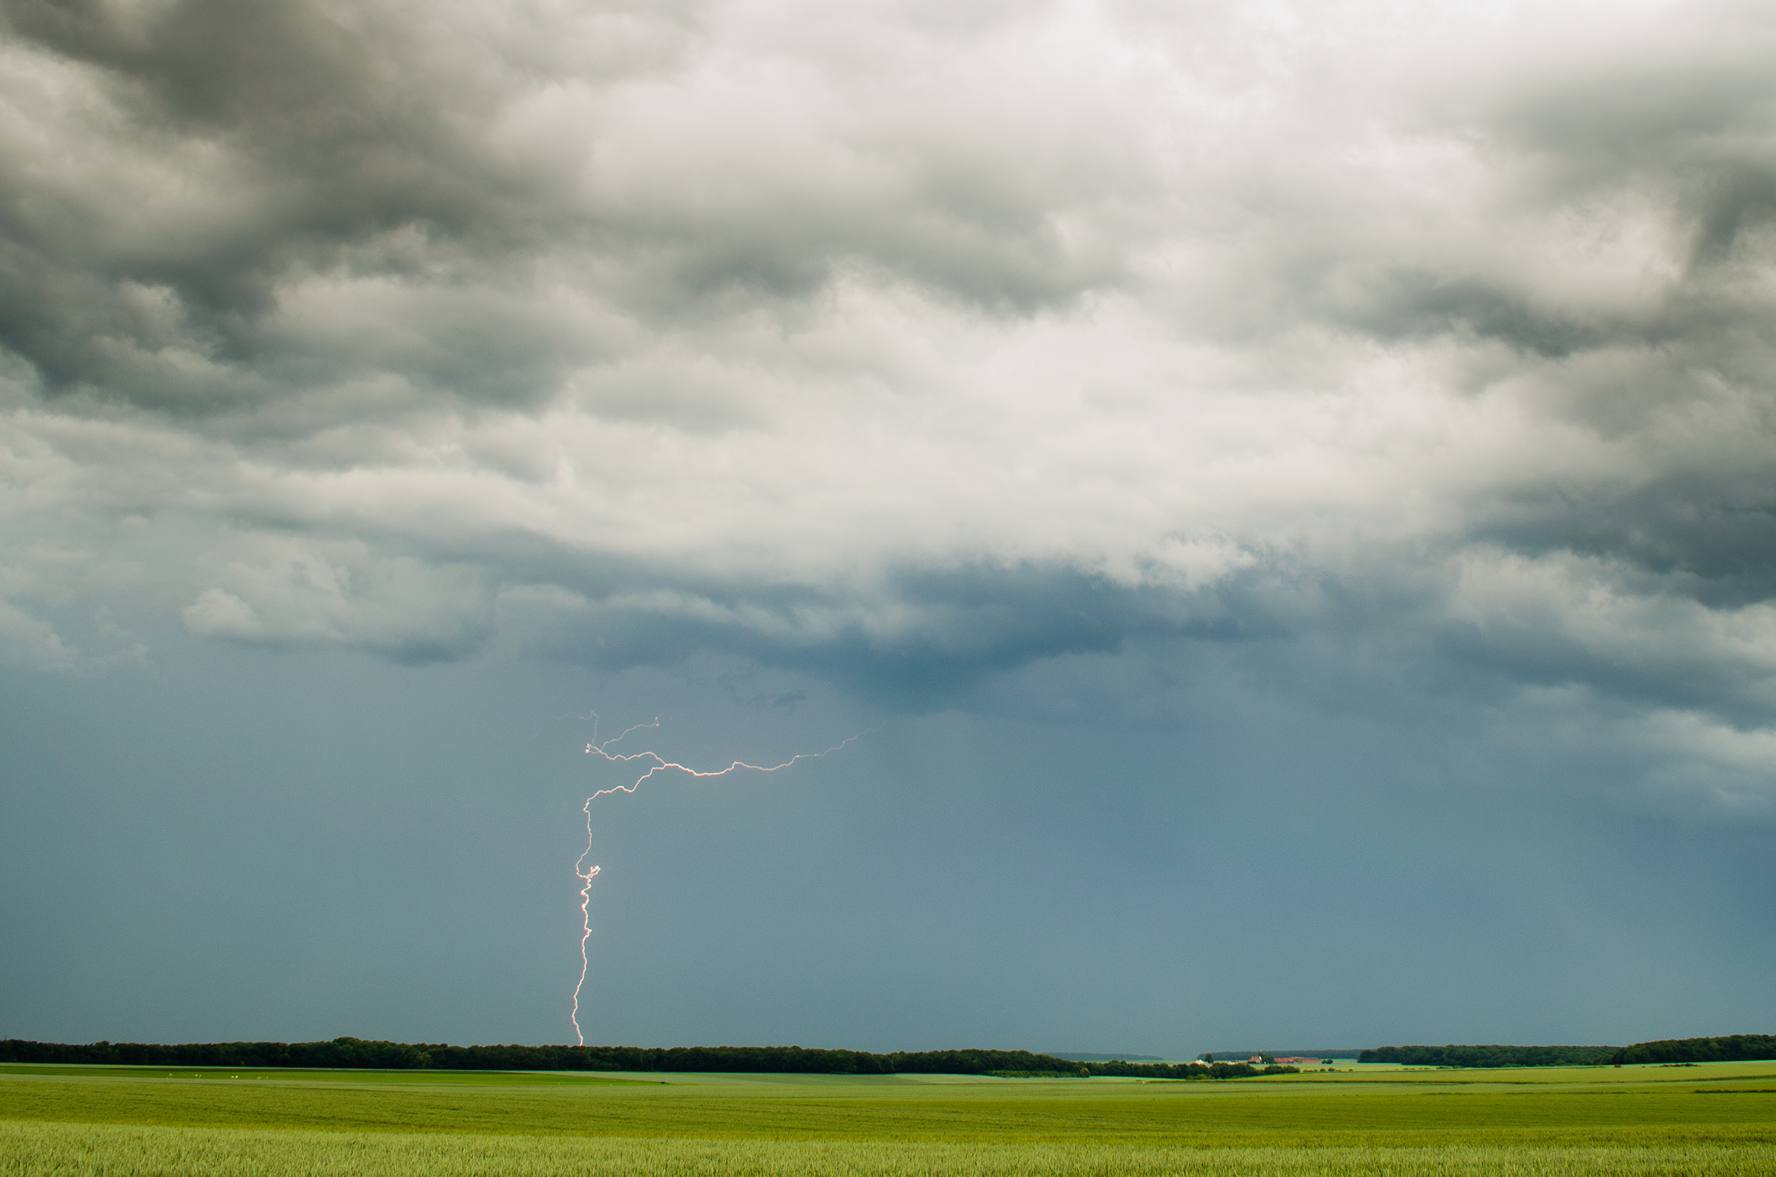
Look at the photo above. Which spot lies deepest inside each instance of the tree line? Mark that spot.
(1493, 1055)
(349, 1053)
(1731, 1047)
(1727, 1048)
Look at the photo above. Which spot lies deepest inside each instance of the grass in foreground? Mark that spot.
(61, 1150)
(1642, 1120)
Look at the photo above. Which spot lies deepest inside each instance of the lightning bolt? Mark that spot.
(655, 764)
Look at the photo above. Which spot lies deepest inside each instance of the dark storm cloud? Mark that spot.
(962, 628)
(307, 143)
(1714, 541)
(904, 351)
(270, 150)
(1684, 107)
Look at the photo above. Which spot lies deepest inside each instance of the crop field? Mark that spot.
(1709, 1119)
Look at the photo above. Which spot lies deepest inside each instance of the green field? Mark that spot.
(1710, 1119)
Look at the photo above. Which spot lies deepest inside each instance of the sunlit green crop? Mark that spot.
(1717, 1119)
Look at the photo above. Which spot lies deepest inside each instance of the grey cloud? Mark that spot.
(273, 148)
(304, 137)
(1406, 303)
(930, 638)
(1712, 544)
(302, 594)
(1680, 101)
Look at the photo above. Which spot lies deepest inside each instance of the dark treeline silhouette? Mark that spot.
(1671, 1050)
(1492, 1055)
(361, 1053)
(1731, 1048)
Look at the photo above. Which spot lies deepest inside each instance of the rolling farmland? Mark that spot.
(1717, 1118)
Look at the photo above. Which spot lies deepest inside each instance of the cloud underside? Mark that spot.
(903, 347)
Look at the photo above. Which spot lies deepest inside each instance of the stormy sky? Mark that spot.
(1290, 490)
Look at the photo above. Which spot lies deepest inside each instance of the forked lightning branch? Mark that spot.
(652, 764)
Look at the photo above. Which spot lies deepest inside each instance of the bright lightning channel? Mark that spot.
(656, 764)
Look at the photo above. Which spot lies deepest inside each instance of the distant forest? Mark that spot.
(1730, 1048)
(1493, 1056)
(361, 1053)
